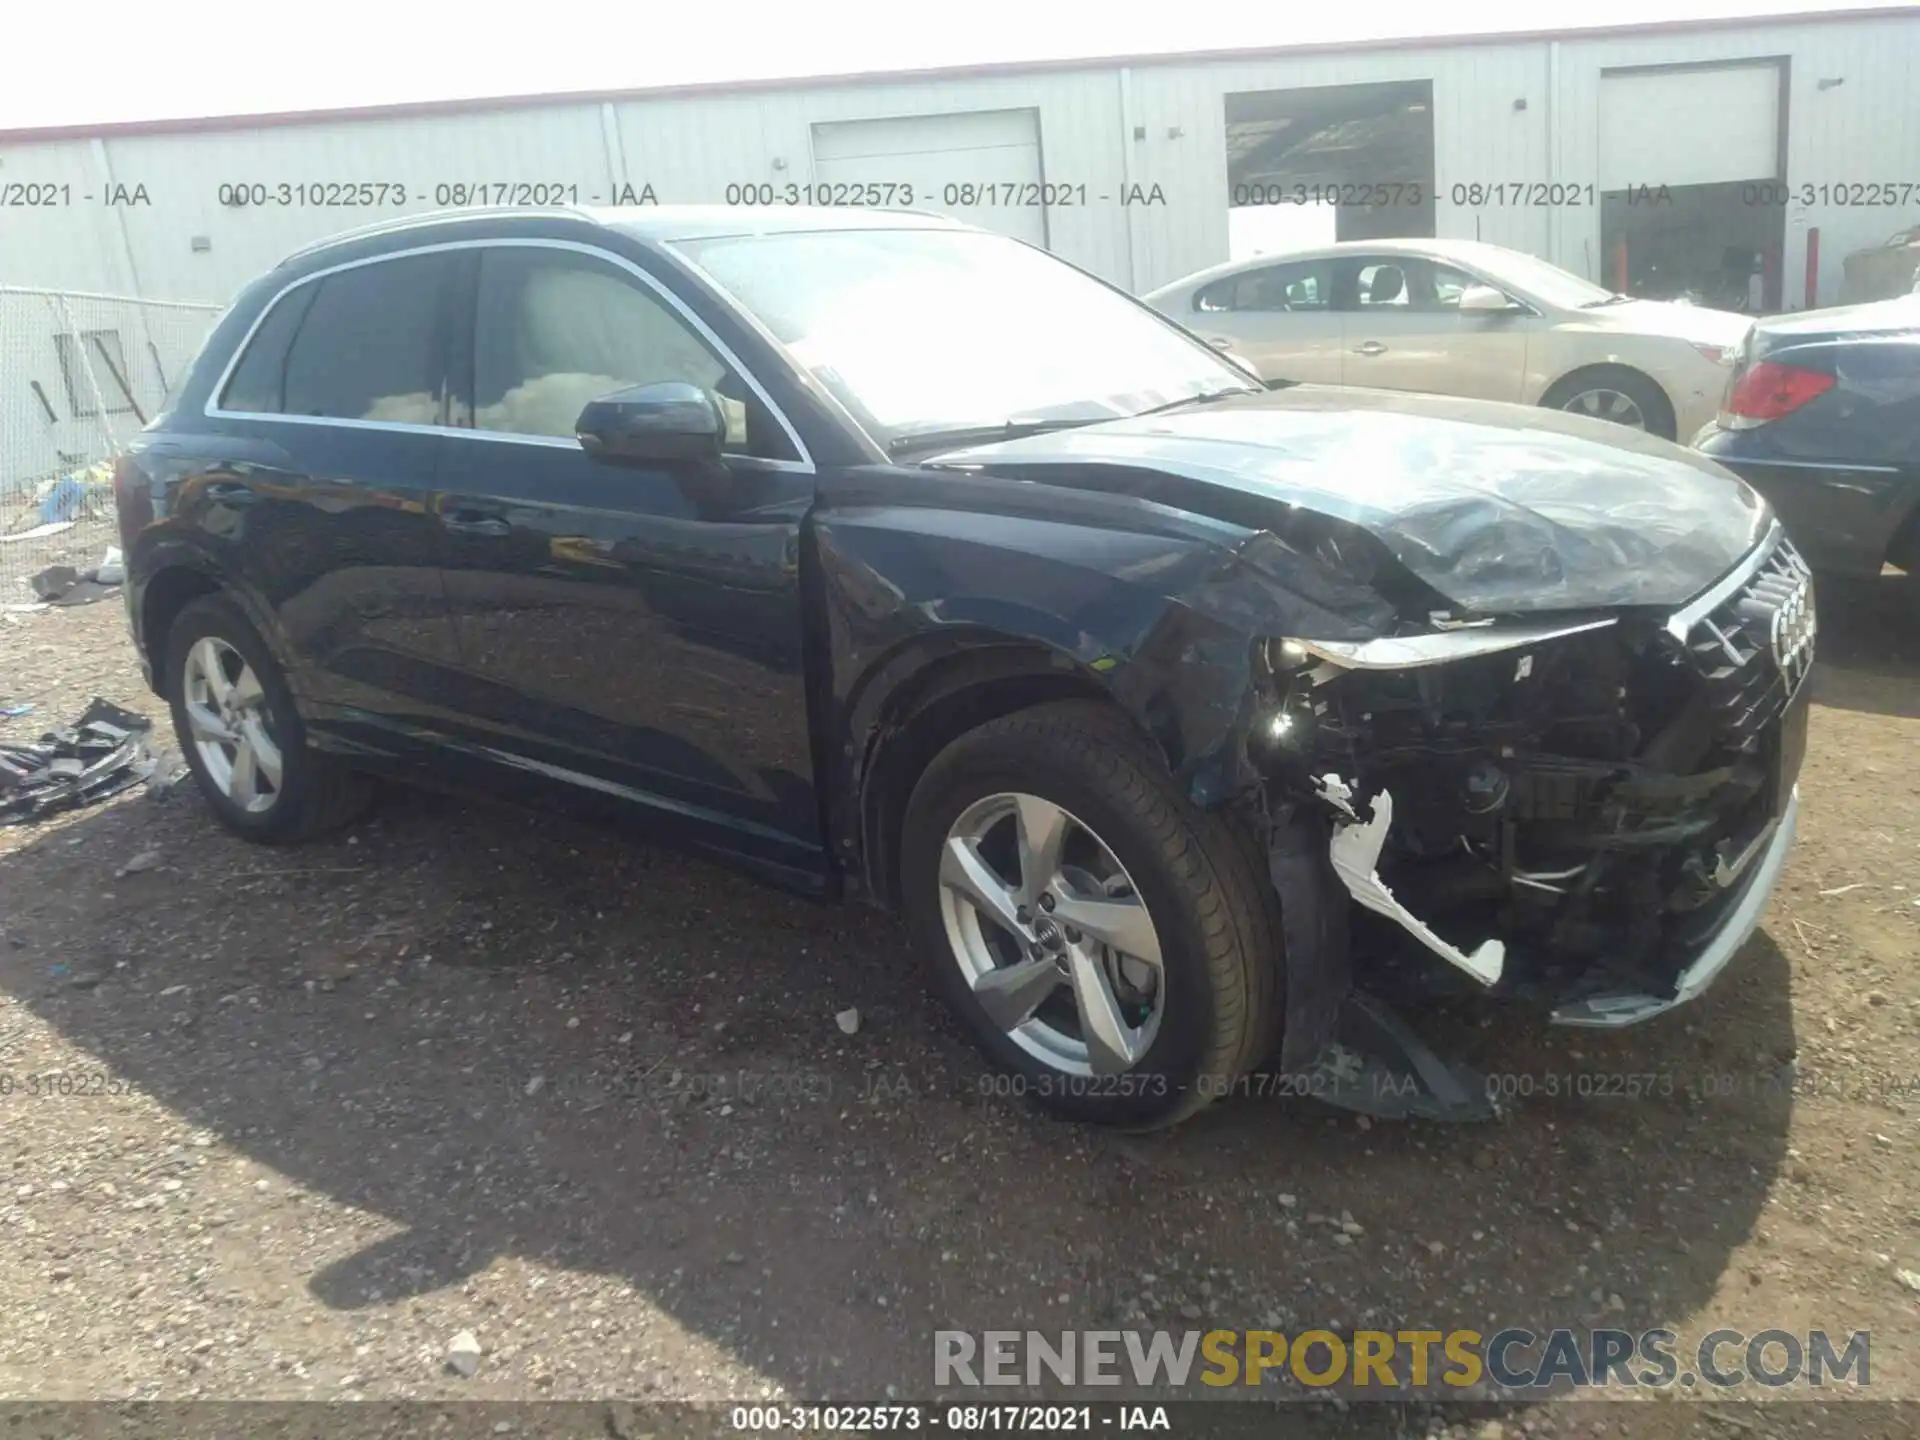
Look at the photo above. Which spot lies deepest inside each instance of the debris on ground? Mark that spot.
(100, 754)
(38, 532)
(848, 1021)
(463, 1353)
(66, 585)
(141, 863)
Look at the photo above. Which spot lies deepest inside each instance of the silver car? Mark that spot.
(1458, 317)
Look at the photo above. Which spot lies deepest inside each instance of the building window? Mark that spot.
(95, 369)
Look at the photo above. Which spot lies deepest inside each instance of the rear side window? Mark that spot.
(259, 382)
(1305, 285)
(360, 344)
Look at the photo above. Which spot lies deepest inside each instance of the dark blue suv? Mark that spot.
(894, 559)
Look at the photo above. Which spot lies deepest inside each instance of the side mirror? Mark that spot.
(669, 421)
(1485, 300)
(1253, 370)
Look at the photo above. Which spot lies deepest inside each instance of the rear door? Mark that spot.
(625, 633)
(1282, 317)
(331, 431)
(1405, 332)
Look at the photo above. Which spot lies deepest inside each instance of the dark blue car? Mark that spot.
(1180, 716)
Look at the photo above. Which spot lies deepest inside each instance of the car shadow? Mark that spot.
(514, 1036)
(1869, 646)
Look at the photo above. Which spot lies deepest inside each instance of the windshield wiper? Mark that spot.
(1203, 398)
(985, 434)
(1610, 300)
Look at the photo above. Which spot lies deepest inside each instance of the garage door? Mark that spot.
(997, 152)
(1689, 126)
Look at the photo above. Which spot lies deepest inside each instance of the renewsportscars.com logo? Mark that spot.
(1383, 1360)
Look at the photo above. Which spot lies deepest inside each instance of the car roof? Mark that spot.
(652, 224)
(1467, 252)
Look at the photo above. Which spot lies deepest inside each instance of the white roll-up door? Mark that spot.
(995, 151)
(1690, 126)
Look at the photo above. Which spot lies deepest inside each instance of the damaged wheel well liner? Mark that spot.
(929, 711)
(167, 594)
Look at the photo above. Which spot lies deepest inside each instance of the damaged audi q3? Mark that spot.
(1196, 725)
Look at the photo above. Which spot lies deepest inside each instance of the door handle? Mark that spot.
(475, 522)
(228, 493)
(1372, 347)
(1219, 342)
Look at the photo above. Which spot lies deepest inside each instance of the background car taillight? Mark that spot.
(1768, 391)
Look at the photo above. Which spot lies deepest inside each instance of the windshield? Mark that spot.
(925, 331)
(1550, 283)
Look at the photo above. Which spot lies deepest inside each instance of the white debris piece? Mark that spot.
(848, 1021)
(1355, 850)
(463, 1353)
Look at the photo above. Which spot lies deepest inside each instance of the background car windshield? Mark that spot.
(924, 330)
(1549, 282)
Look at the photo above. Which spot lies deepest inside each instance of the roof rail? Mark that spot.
(431, 217)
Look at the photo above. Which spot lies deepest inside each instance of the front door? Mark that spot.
(628, 630)
(1404, 331)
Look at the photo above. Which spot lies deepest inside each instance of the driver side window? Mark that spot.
(555, 329)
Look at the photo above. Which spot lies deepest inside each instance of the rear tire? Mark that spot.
(237, 725)
(1138, 862)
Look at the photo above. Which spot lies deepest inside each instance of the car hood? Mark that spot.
(1696, 324)
(1501, 509)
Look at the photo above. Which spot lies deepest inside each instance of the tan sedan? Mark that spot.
(1458, 317)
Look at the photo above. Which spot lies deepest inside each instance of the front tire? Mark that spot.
(237, 725)
(1617, 394)
(1112, 947)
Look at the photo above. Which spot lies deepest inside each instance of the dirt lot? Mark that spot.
(465, 1068)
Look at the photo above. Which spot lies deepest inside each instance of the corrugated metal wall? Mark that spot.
(689, 148)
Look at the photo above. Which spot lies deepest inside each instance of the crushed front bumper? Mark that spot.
(1615, 1011)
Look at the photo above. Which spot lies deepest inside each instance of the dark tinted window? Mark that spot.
(369, 346)
(259, 380)
(555, 329)
(1305, 285)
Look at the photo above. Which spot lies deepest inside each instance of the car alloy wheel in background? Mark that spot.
(1603, 403)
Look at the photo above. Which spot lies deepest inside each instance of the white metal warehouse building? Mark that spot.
(1791, 136)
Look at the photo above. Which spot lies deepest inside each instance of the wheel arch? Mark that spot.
(175, 581)
(1601, 368)
(923, 699)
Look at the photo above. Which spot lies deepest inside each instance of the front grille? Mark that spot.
(1755, 647)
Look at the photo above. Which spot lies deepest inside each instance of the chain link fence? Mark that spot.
(79, 376)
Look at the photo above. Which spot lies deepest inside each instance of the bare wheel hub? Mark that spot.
(1051, 935)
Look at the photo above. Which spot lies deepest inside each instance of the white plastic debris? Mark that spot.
(848, 1021)
(463, 1353)
(113, 569)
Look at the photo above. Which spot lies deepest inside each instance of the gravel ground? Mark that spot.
(464, 1068)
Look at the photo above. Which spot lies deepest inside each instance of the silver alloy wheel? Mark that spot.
(1602, 403)
(1051, 934)
(232, 730)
